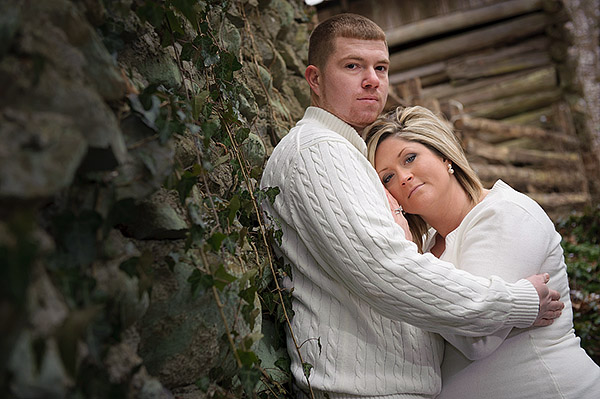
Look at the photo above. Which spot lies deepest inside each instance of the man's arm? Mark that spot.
(503, 239)
(341, 212)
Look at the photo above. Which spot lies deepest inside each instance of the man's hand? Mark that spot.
(550, 306)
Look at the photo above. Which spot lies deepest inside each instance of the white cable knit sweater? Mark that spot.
(359, 286)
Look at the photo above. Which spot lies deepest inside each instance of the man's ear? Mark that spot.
(313, 77)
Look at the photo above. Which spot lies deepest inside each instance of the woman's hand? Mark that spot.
(398, 216)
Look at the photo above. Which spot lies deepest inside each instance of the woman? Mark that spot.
(486, 232)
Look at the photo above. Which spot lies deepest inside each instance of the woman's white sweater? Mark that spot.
(362, 295)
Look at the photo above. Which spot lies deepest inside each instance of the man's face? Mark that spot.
(353, 84)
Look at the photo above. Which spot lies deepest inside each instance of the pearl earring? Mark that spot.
(450, 170)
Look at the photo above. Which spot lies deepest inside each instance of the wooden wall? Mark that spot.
(498, 71)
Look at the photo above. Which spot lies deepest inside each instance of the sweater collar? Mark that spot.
(332, 122)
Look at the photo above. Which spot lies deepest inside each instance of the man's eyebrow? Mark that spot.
(359, 58)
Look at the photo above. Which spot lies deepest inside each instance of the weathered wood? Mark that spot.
(491, 66)
(506, 131)
(508, 106)
(520, 83)
(551, 201)
(529, 54)
(417, 72)
(541, 117)
(478, 39)
(520, 156)
(460, 21)
(531, 180)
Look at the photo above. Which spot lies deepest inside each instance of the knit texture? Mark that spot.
(509, 235)
(359, 287)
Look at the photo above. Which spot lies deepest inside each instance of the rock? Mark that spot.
(291, 58)
(40, 154)
(158, 218)
(254, 150)
(49, 380)
(278, 71)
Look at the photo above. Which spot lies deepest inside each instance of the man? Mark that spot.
(366, 304)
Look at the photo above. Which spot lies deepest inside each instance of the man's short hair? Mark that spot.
(352, 26)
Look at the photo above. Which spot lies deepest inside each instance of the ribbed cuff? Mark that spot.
(336, 395)
(526, 304)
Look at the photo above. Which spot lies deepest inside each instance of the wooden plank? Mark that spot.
(531, 180)
(474, 68)
(520, 83)
(558, 200)
(508, 106)
(418, 72)
(506, 131)
(521, 156)
(443, 49)
(444, 24)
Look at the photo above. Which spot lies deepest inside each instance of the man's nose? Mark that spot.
(371, 79)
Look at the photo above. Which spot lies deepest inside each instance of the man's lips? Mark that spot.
(369, 99)
(414, 188)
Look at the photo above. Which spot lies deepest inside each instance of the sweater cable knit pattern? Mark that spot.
(358, 284)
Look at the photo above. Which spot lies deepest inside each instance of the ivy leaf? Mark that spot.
(306, 367)
(242, 134)
(185, 185)
(203, 383)
(198, 279)
(216, 240)
(222, 278)
(248, 358)
(248, 294)
(198, 102)
(249, 377)
(188, 10)
(152, 13)
(227, 66)
(234, 206)
(283, 363)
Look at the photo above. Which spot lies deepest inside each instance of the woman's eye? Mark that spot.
(386, 179)
(410, 158)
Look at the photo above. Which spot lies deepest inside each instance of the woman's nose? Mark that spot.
(405, 178)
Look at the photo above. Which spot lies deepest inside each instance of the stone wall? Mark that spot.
(104, 189)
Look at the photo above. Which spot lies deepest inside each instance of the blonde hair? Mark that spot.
(322, 40)
(420, 125)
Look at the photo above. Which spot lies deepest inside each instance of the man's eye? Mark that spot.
(351, 66)
(381, 68)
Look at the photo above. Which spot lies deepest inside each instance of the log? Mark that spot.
(493, 66)
(419, 72)
(521, 156)
(460, 21)
(515, 84)
(531, 180)
(509, 106)
(506, 131)
(541, 117)
(478, 39)
(531, 53)
(550, 201)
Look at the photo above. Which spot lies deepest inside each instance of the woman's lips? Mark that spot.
(414, 189)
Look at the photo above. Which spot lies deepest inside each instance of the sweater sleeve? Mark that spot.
(338, 207)
(503, 240)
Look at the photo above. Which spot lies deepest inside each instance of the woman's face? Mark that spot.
(412, 173)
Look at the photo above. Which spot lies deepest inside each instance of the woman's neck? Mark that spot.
(448, 214)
